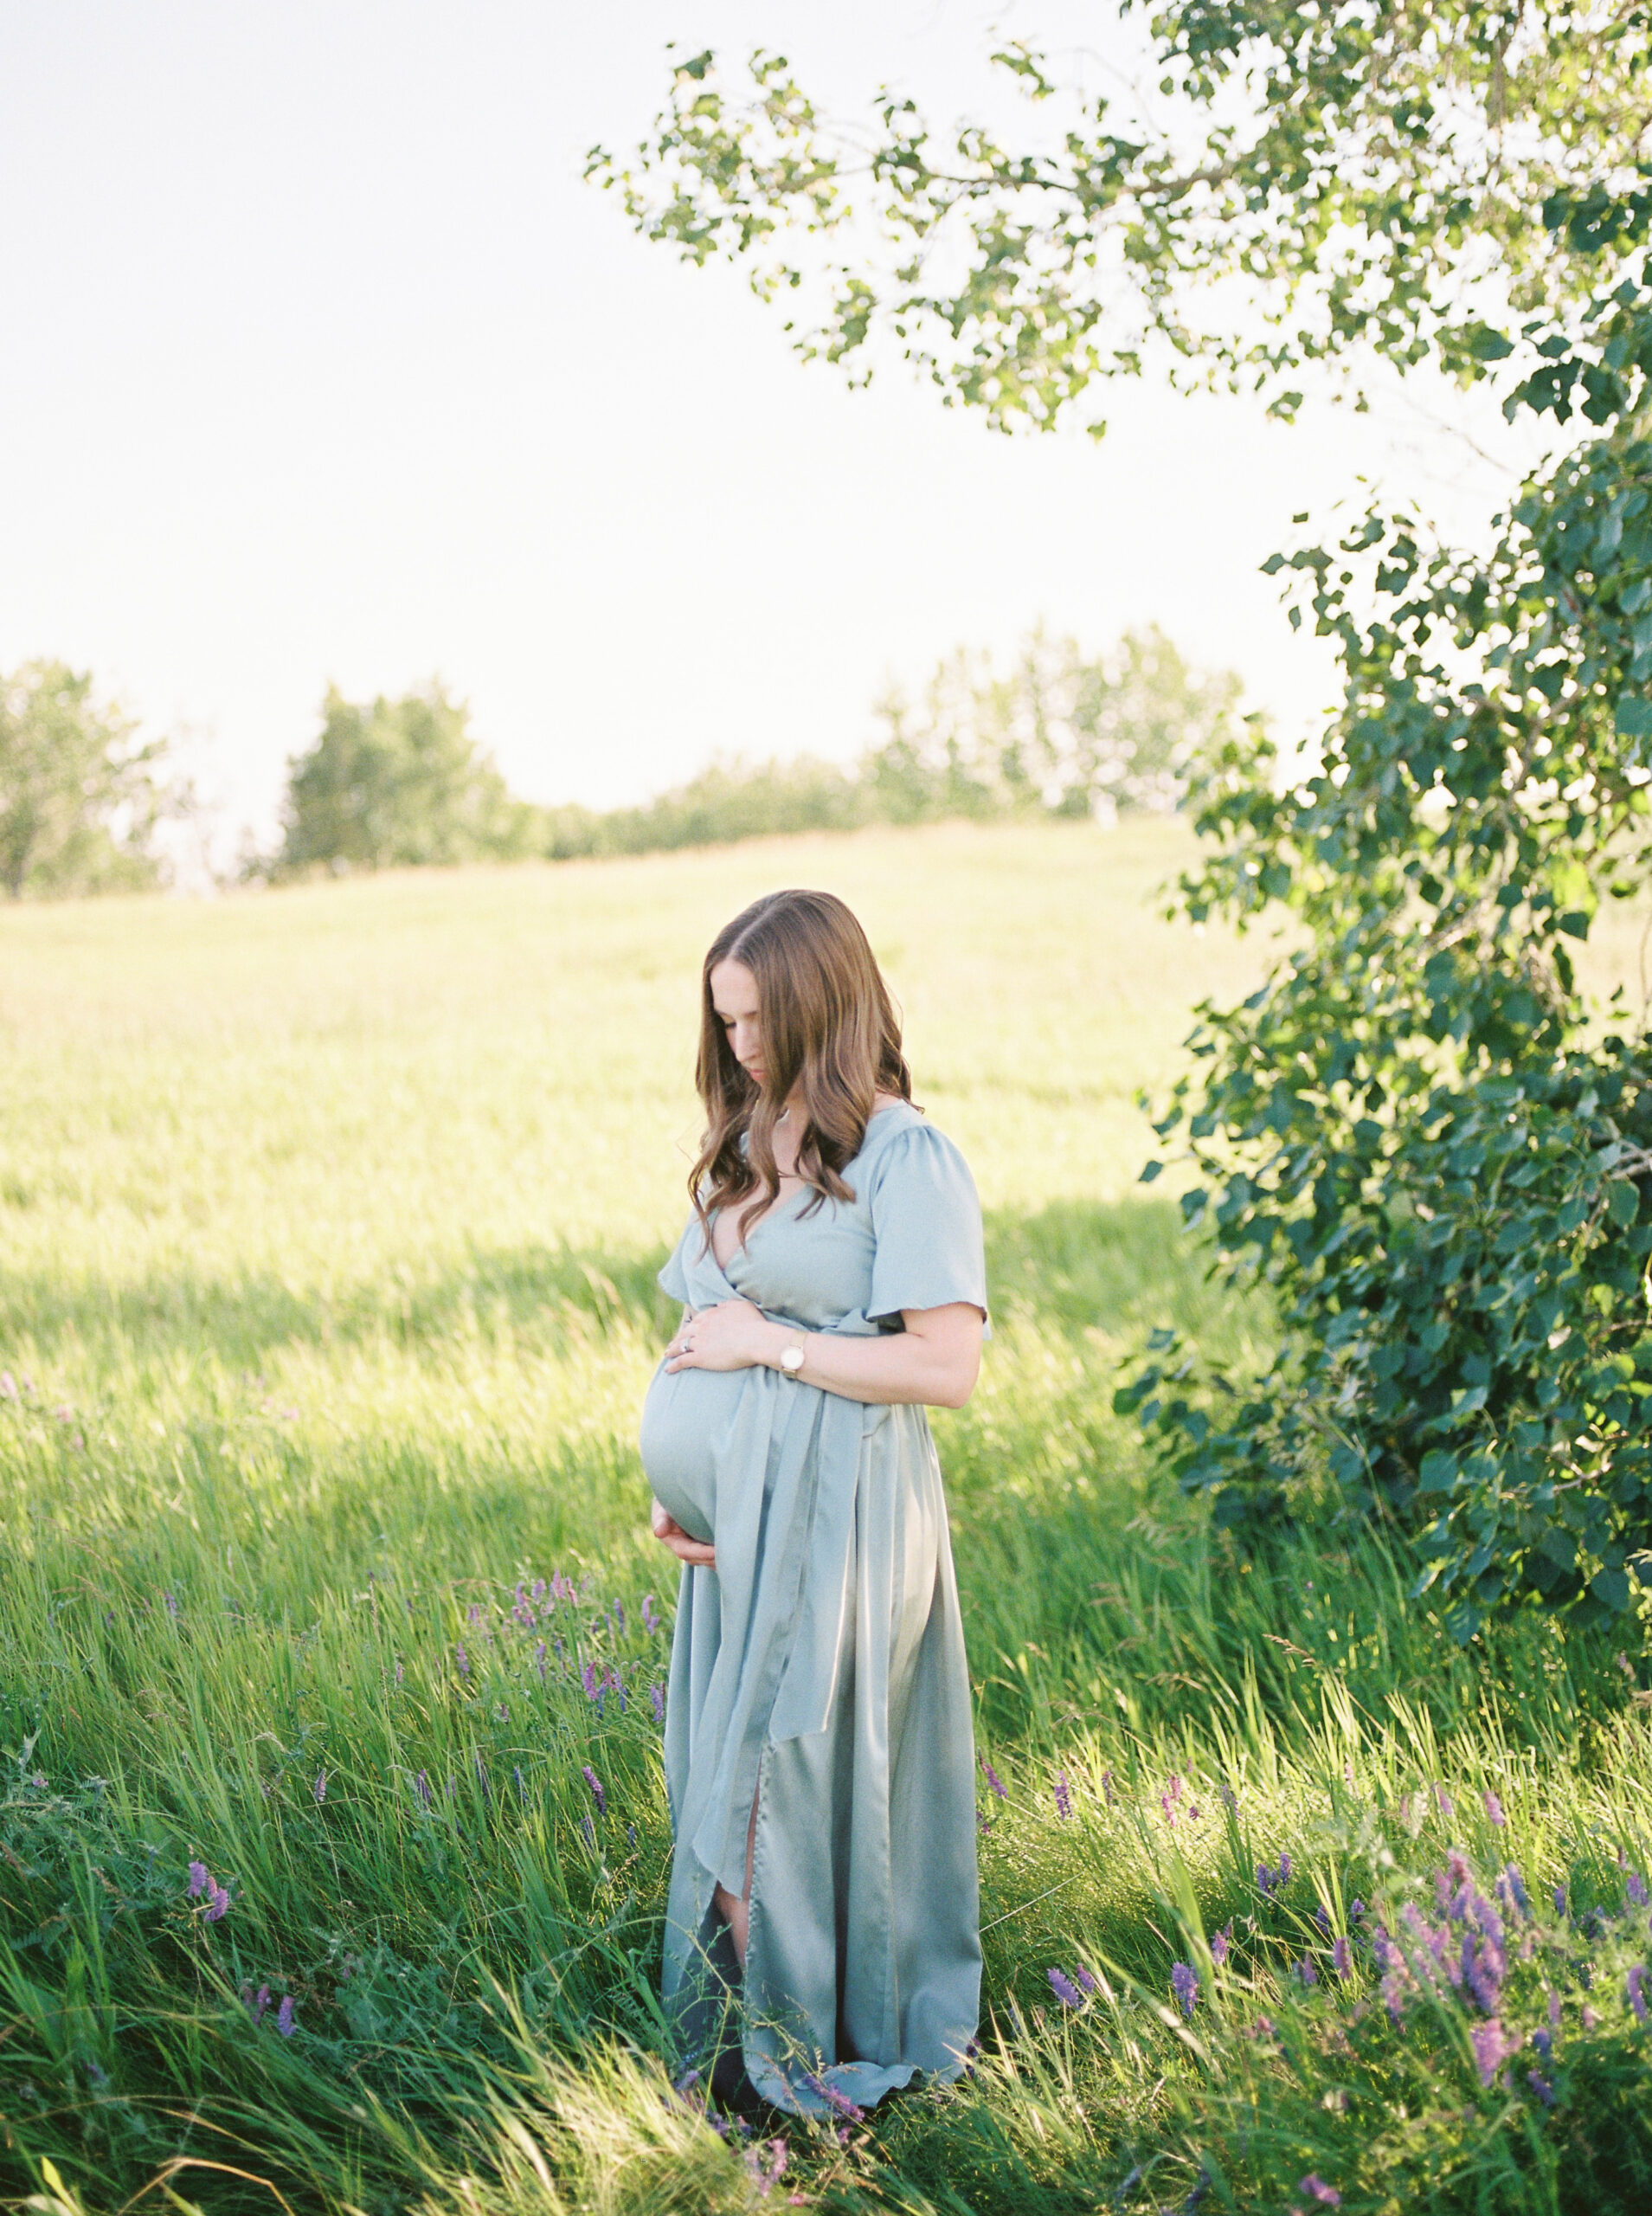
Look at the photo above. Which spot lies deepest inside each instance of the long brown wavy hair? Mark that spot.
(827, 1019)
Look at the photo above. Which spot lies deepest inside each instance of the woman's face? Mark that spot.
(734, 995)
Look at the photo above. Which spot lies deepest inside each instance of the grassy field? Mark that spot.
(328, 1225)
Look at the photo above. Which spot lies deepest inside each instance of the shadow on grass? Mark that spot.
(1074, 1266)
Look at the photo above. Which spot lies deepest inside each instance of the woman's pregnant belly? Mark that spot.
(685, 1415)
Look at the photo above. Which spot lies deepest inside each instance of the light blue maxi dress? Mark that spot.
(820, 1665)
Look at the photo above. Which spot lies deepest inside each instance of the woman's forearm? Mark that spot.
(935, 1365)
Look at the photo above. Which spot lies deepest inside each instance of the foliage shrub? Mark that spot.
(81, 795)
(1412, 1130)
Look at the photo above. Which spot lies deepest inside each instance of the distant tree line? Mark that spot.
(395, 783)
(402, 782)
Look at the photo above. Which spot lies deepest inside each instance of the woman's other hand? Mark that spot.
(670, 1533)
(735, 1335)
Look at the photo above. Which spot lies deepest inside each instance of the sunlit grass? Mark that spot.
(328, 1221)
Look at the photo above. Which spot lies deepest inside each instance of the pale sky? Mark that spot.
(322, 363)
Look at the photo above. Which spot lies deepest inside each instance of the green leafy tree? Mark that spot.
(1289, 186)
(397, 784)
(1412, 1131)
(1060, 733)
(79, 793)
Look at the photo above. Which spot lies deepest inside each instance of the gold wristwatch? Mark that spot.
(792, 1358)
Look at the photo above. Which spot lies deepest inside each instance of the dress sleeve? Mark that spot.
(673, 1279)
(926, 1223)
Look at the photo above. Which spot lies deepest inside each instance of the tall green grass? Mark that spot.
(330, 1220)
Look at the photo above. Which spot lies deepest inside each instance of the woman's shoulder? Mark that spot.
(902, 1141)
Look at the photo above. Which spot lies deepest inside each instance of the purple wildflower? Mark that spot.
(587, 1679)
(256, 2002)
(1560, 1900)
(1064, 1990)
(1635, 1890)
(1445, 1803)
(284, 2022)
(1554, 2011)
(400, 1671)
(657, 1701)
(421, 1786)
(651, 1622)
(200, 1880)
(1491, 2048)
(834, 2099)
(1185, 1986)
(1064, 1795)
(1356, 1910)
(620, 1615)
(765, 2170)
(1306, 1971)
(463, 1661)
(1493, 1808)
(521, 1782)
(1510, 1889)
(1086, 1979)
(1107, 1787)
(319, 1788)
(481, 1779)
(218, 1905)
(589, 1828)
(1543, 2040)
(595, 1784)
(1271, 1880)
(1634, 1987)
(1540, 2085)
(1220, 1943)
(1342, 1956)
(995, 1783)
(539, 1659)
(1316, 2189)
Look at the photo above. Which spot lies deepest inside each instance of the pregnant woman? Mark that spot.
(819, 1754)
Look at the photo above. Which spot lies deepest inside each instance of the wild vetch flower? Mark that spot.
(1491, 2048)
(1541, 2087)
(1323, 1921)
(200, 1880)
(1086, 1980)
(1342, 1956)
(765, 2170)
(651, 1622)
(400, 1671)
(1510, 1889)
(284, 2022)
(1634, 1987)
(1493, 1808)
(1445, 1803)
(631, 1835)
(1064, 1990)
(1220, 1943)
(1107, 1787)
(1185, 1986)
(656, 1700)
(834, 2099)
(994, 1783)
(1560, 1900)
(1272, 1880)
(1635, 1890)
(589, 1828)
(421, 1786)
(255, 2003)
(521, 1782)
(319, 1788)
(539, 1659)
(620, 1615)
(1064, 1795)
(1457, 1870)
(1356, 1910)
(1316, 2189)
(587, 1679)
(218, 1905)
(1306, 1971)
(595, 1784)
(172, 1606)
(1543, 2040)
(481, 1778)
(463, 1660)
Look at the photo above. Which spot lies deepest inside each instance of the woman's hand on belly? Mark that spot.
(671, 1534)
(735, 1335)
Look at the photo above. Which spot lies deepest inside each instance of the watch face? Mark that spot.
(792, 1359)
